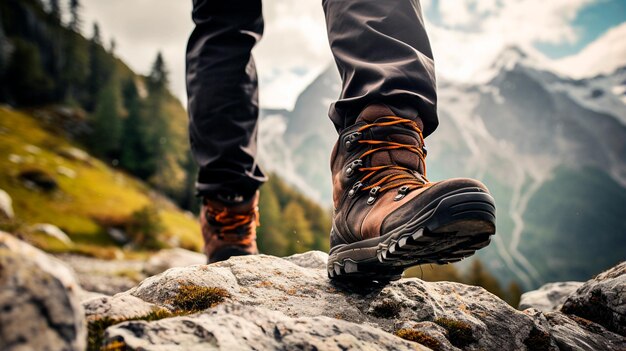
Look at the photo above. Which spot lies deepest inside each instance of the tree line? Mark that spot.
(133, 121)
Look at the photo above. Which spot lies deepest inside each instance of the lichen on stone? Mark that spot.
(459, 333)
(419, 337)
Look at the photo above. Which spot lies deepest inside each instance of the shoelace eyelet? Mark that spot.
(355, 188)
(373, 195)
(402, 191)
(350, 170)
(351, 138)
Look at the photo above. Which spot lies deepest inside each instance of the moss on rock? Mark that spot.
(419, 337)
(459, 333)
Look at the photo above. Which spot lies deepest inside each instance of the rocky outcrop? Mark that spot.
(549, 297)
(269, 303)
(602, 300)
(264, 298)
(39, 303)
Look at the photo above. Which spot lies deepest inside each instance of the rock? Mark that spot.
(52, 231)
(311, 259)
(549, 297)
(119, 306)
(117, 235)
(602, 300)
(39, 302)
(6, 205)
(67, 172)
(233, 327)
(32, 149)
(170, 258)
(575, 333)
(473, 317)
(75, 154)
(13, 158)
(108, 277)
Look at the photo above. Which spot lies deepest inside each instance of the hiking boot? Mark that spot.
(229, 229)
(388, 216)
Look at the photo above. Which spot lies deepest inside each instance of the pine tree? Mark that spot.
(297, 229)
(479, 276)
(55, 10)
(95, 38)
(271, 237)
(158, 133)
(75, 20)
(158, 78)
(112, 46)
(99, 71)
(135, 152)
(107, 121)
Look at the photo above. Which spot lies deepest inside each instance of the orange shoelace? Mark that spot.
(406, 178)
(230, 222)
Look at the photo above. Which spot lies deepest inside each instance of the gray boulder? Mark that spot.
(235, 327)
(602, 300)
(549, 297)
(39, 301)
(120, 306)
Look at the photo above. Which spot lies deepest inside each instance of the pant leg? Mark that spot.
(383, 55)
(223, 96)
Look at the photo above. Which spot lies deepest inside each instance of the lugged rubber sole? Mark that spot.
(454, 229)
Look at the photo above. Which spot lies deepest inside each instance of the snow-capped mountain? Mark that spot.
(551, 148)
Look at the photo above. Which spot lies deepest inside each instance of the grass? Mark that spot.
(193, 298)
(96, 191)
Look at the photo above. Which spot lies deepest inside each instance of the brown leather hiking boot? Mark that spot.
(229, 230)
(388, 216)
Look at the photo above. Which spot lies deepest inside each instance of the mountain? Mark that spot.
(551, 148)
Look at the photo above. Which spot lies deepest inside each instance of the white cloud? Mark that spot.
(604, 55)
(473, 32)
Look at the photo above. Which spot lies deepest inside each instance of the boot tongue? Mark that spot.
(399, 157)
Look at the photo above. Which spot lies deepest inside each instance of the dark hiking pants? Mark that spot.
(381, 50)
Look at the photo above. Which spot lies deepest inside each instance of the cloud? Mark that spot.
(471, 33)
(603, 56)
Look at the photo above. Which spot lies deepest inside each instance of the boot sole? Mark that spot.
(448, 230)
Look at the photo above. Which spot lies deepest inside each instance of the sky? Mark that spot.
(466, 36)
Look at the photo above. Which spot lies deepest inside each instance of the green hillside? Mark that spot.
(88, 198)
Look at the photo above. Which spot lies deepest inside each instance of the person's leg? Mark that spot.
(388, 216)
(223, 118)
(223, 96)
(383, 55)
